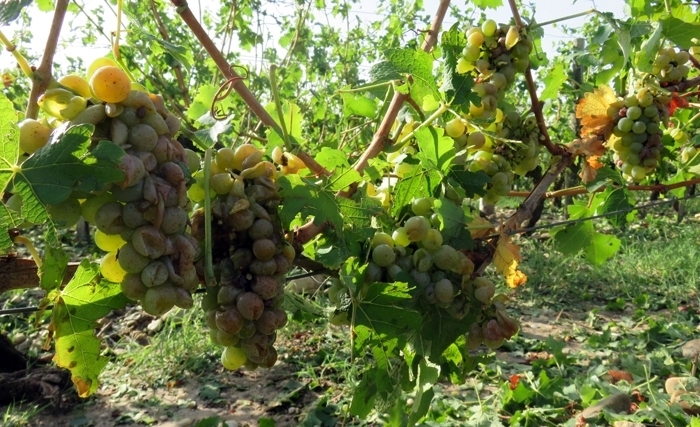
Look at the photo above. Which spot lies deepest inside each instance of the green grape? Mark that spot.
(32, 135)
(638, 173)
(639, 127)
(489, 27)
(476, 140)
(130, 260)
(422, 206)
(193, 161)
(402, 169)
(631, 101)
(221, 183)
(433, 240)
(383, 255)
(476, 38)
(444, 291)
(499, 80)
(66, 213)
(416, 228)
(225, 158)
(107, 242)
(400, 237)
(651, 111)
(110, 268)
(625, 124)
(381, 238)
(463, 66)
(455, 128)
(196, 192)
(14, 203)
(634, 113)
(159, 300)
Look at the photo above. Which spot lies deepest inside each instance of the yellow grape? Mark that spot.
(77, 84)
(193, 161)
(233, 358)
(242, 153)
(90, 206)
(224, 158)
(99, 63)
(32, 135)
(110, 84)
(196, 192)
(107, 242)
(66, 213)
(110, 268)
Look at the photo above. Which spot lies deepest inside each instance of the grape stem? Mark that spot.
(545, 140)
(30, 247)
(278, 106)
(238, 85)
(563, 18)
(42, 77)
(209, 276)
(684, 85)
(21, 60)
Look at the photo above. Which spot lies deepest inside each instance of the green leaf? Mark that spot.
(420, 183)
(10, 10)
(457, 87)
(302, 196)
(615, 200)
(53, 268)
(601, 248)
(471, 182)
(66, 163)
(84, 300)
(488, 4)
(180, 53)
(553, 81)
(453, 224)
(436, 149)
(680, 32)
(292, 118)
(416, 63)
(597, 247)
(45, 5)
(201, 104)
(358, 105)
(649, 49)
(428, 374)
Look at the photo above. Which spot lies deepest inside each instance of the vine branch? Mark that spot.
(663, 188)
(684, 85)
(238, 85)
(545, 140)
(176, 67)
(42, 76)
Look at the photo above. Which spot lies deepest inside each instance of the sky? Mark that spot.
(545, 10)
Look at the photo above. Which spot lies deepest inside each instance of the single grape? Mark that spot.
(476, 140)
(77, 84)
(444, 291)
(400, 237)
(99, 63)
(489, 27)
(476, 38)
(383, 255)
(651, 111)
(433, 240)
(422, 206)
(159, 300)
(130, 260)
(638, 173)
(110, 268)
(381, 238)
(221, 183)
(455, 128)
(143, 137)
(512, 37)
(32, 135)
(639, 127)
(625, 124)
(416, 228)
(66, 213)
(634, 113)
(110, 84)
(107, 242)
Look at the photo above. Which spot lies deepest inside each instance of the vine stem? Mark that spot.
(278, 106)
(545, 140)
(563, 18)
(21, 60)
(42, 77)
(684, 85)
(310, 230)
(248, 97)
(663, 188)
(381, 136)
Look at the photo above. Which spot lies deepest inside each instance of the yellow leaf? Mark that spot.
(479, 227)
(592, 110)
(506, 259)
(593, 148)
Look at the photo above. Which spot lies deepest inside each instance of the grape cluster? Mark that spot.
(495, 54)
(670, 65)
(496, 325)
(245, 308)
(141, 221)
(637, 143)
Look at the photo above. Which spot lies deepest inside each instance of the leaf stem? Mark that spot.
(439, 112)
(278, 106)
(563, 18)
(532, 89)
(667, 3)
(42, 77)
(30, 247)
(117, 33)
(366, 87)
(209, 276)
(21, 60)
(238, 85)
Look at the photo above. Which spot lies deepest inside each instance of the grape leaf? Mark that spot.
(553, 81)
(436, 149)
(10, 10)
(615, 200)
(416, 63)
(66, 163)
(471, 182)
(597, 247)
(601, 248)
(420, 183)
(292, 118)
(358, 105)
(180, 53)
(76, 311)
(506, 260)
(680, 32)
(457, 87)
(649, 49)
(488, 4)
(453, 224)
(302, 196)
(201, 104)
(53, 268)
(428, 374)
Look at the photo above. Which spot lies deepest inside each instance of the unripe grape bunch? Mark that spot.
(441, 273)
(252, 258)
(670, 66)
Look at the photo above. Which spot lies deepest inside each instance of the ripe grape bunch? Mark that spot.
(670, 66)
(244, 310)
(495, 54)
(443, 275)
(141, 221)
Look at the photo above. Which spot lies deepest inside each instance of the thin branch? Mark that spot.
(176, 67)
(42, 75)
(545, 140)
(662, 188)
(684, 85)
(248, 97)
